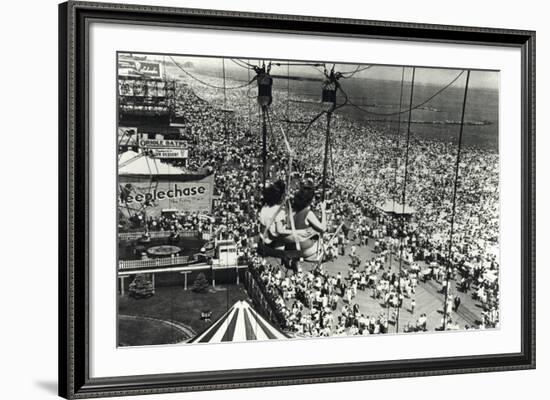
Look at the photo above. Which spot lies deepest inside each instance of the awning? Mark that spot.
(136, 164)
(240, 323)
(138, 167)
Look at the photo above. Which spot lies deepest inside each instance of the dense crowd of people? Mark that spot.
(367, 168)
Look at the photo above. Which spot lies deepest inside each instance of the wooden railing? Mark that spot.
(152, 263)
(127, 236)
(264, 304)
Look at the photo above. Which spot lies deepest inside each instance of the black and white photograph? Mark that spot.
(252, 200)
(270, 199)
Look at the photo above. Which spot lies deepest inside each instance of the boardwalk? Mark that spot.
(429, 297)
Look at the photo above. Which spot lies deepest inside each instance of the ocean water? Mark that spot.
(438, 119)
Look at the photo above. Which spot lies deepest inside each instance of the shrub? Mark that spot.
(201, 283)
(141, 287)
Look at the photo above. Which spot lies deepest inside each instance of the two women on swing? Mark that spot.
(291, 232)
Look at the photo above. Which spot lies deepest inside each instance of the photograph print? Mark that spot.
(278, 199)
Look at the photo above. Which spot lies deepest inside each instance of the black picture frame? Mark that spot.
(74, 379)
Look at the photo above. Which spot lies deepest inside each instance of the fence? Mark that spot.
(126, 236)
(154, 262)
(263, 304)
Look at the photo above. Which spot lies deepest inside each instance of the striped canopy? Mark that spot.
(238, 324)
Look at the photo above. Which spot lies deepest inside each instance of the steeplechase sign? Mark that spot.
(184, 196)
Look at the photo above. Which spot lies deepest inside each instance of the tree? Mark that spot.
(201, 283)
(141, 287)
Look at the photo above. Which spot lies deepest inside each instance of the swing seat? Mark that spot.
(285, 248)
(273, 249)
(309, 247)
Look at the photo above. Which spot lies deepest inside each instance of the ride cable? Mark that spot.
(238, 63)
(412, 108)
(224, 104)
(328, 99)
(325, 160)
(311, 122)
(288, 98)
(455, 190)
(265, 98)
(264, 144)
(206, 83)
(248, 104)
(329, 94)
(396, 150)
(286, 198)
(358, 69)
(323, 249)
(246, 63)
(403, 200)
(297, 64)
(397, 136)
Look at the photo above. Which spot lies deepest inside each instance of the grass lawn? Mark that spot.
(178, 305)
(141, 332)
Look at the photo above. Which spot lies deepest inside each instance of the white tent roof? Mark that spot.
(395, 207)
(132, 163)
(240, 323)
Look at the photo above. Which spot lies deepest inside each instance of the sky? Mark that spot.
(423, 75)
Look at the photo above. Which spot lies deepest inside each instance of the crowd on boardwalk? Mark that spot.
(320, 303)
(367, 169)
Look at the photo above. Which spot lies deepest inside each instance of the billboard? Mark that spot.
(184, 194)
(140, 68)
(152, 69)
(169, 153)
(165, 148)
(162, 144)
(145, 88)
